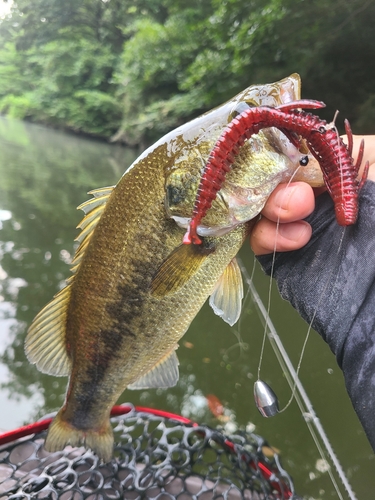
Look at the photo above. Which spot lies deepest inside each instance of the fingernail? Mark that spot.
(294, 231)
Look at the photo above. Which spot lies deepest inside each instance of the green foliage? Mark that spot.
(74, 88)
(366, 113)
(16, 106)
(142, 67)
(56, 64)
(202, 55)
(152, 70)
(14, 78)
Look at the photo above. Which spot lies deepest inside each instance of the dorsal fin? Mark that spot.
(45, 344)
(93, 209)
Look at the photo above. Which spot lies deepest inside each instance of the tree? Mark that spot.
(62, 55)
(142, 67)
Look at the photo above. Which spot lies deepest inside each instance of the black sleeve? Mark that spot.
(331, 282)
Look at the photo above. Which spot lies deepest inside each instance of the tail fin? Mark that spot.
(61, 433)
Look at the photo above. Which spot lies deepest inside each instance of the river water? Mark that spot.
(44, 176)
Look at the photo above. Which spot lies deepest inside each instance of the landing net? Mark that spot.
(158, 456)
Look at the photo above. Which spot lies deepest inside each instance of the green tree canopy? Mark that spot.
(133, 70)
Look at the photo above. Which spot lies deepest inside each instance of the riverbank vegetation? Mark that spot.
(130, 70)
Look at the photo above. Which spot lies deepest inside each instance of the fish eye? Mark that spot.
(304, 161)
(322, 129)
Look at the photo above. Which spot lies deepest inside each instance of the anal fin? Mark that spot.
(226, 299)
(164, 374)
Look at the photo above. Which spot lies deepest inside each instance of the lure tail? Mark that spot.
(339, 172)
(361, 150)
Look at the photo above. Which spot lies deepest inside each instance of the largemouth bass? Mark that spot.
(135, 288)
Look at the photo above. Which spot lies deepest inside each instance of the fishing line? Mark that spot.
(327, 281)
(312, 421)
(302, 353)
(270, 285)
(237, 332)
(312, 321)
(243, 346)
(293, 375)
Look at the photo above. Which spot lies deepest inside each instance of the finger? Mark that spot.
(289, 203)
(268, 237)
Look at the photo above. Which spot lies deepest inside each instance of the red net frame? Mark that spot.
(166, 448)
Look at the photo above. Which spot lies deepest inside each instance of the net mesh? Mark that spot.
(155, 458)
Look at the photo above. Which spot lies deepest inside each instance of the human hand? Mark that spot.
(289, 204)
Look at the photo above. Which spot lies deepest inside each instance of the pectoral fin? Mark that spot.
(178, 268)
(163, 375)
(226, 299)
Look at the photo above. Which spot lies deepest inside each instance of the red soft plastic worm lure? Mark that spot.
(339, 172)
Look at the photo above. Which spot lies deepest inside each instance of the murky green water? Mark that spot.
(44, 175)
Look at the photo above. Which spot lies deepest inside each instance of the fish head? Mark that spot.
(264, 160)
